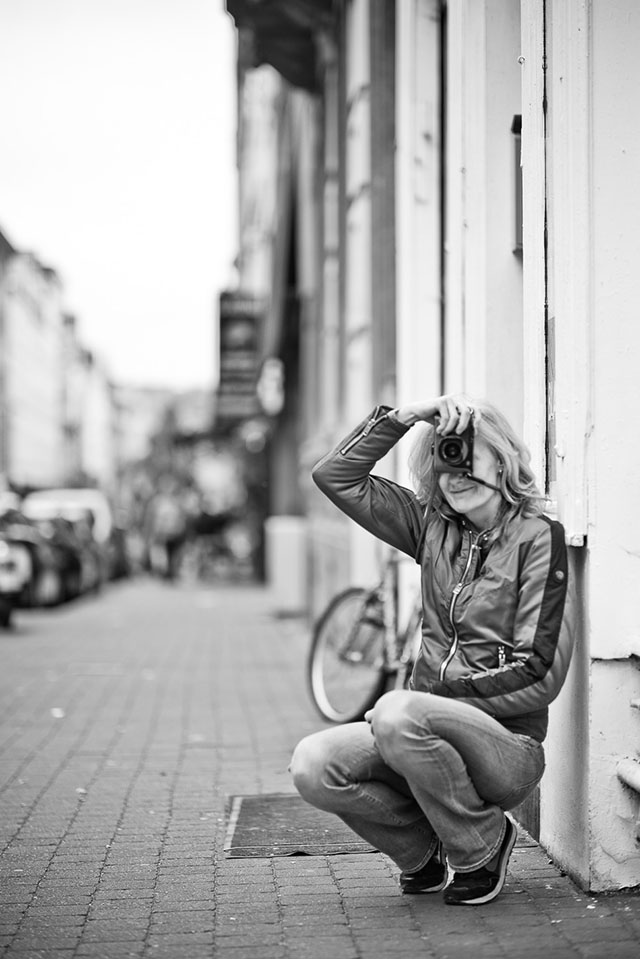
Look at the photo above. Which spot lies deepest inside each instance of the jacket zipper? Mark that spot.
(364, 432)
(452, 605)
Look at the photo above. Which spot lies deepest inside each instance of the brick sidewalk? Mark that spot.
(128, 720)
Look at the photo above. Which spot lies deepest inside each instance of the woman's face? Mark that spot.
(478, 503)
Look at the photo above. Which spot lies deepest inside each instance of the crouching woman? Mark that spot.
(428, 776)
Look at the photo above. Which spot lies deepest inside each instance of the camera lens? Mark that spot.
(453, 450)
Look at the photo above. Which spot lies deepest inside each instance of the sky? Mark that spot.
(117, 169)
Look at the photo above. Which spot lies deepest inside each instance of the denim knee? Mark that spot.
(389, 722)
(307, 767)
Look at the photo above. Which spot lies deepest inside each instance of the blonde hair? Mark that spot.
(520, 494)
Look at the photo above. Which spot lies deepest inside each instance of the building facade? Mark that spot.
(58, 417)
(32, 373)
(458, 214)
(92, 420)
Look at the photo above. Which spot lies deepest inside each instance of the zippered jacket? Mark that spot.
(496, 634)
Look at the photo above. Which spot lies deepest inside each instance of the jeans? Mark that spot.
(426, 770)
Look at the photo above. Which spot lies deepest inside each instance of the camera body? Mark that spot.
(453, 453)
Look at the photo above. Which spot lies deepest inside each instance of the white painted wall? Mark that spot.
(483, 283)
(418, 236)
(359, 393)
(614, 474)
(564, 794)
(569, 179)
(359, 397)
(533, 214)
(258, 164)
(503, 338)
(588, 818)
(329, 341)
(614, 520)
(556, 168)
(418, 226)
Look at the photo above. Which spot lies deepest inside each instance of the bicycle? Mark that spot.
(357, 651)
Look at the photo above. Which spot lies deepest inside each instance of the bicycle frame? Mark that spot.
(398, 643)
(348, 653)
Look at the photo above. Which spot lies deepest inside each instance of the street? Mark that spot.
(128, 722)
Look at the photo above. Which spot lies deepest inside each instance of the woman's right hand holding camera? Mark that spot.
(449, 413)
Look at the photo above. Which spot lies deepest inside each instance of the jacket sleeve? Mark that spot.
(542, 639)
(384, 508)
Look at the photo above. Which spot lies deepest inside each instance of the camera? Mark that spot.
(453, 453)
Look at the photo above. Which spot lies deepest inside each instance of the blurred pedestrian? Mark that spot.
(166, 528)
(428, 778)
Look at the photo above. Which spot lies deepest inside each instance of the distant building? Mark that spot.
(58, 421)
(90, 416)
(7, 252)
(141, 413)
(32, 371)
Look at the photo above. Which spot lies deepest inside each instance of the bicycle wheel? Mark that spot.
(346, 665)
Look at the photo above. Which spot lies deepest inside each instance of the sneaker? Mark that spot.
(482, 885)
(431, 878)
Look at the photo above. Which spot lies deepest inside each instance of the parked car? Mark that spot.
(37, 559)
(81, 506)
(60, 535)
(93, 568)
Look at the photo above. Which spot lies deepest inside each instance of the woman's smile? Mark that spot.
(461, 490)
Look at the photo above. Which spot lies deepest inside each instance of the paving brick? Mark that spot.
(114, 950)
(227, 950)
(115, 930)
(176, 939)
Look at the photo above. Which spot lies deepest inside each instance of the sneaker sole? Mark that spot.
(505, 854)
